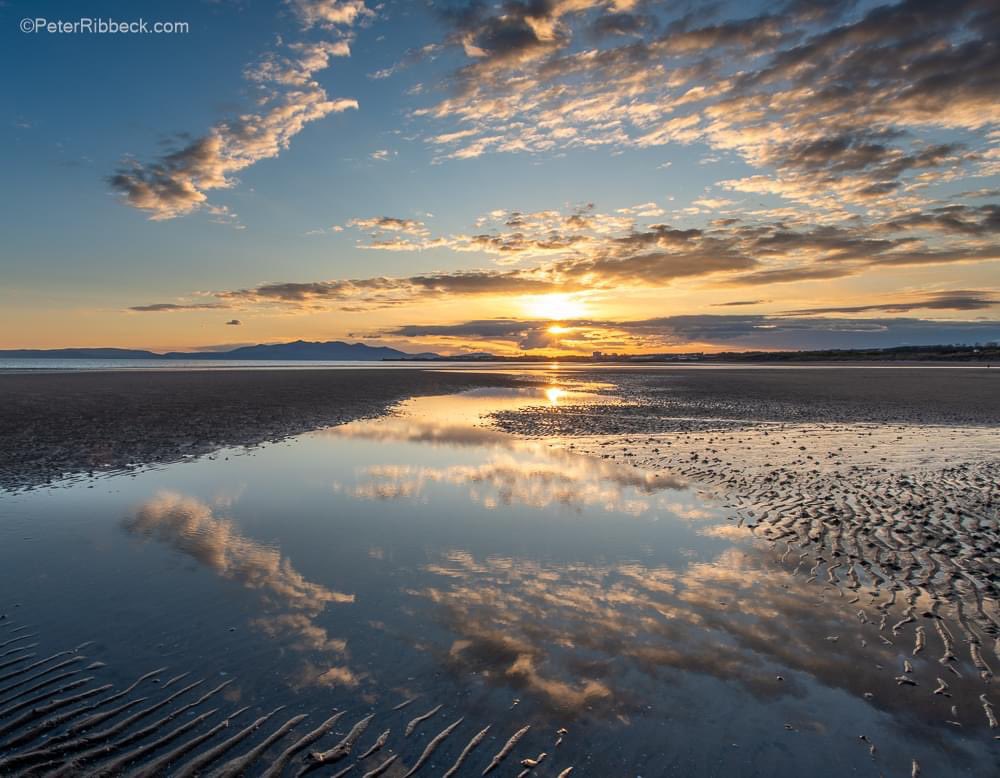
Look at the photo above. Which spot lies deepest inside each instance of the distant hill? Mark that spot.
(299, 350)
(78, 353)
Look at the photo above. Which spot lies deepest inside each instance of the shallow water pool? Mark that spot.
(428, 559)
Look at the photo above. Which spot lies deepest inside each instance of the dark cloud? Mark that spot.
(721, 331)
(958, 300)
(383, 290)
(234, 322)
(623, 24)
(768, 332)
(955, 219)
(483, 328)
(527, 335)
(162, 307)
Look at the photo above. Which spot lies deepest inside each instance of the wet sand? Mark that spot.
(55, 425)
(877, 487)
(870, 502)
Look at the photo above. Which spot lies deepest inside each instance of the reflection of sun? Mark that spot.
(554, 393)
(556, 329)
(556, 307)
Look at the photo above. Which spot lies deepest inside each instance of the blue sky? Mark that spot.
(584, 166)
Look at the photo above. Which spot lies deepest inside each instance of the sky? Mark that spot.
(532, 176)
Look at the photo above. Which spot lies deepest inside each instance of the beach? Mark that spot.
(65, 423)
(740, 571)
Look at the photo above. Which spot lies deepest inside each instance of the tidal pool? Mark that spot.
(426, 556)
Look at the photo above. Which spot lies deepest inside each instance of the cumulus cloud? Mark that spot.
(177, 182)
(837, 108)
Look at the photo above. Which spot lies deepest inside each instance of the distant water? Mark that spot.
(74, 365)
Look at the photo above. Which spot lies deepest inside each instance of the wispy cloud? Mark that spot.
(836, 109)
(169, 307)
(957, 300)
(583, 250)
(288, 99)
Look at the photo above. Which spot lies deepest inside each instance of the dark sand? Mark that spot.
(667, 399)
(58, 424)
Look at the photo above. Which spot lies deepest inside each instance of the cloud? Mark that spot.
(973, 221)
(192, 527)
(584, 250)
(329, 13)
(176, 183)
(958, 300)
(760, 332)
(836, 108)
(234, 323)
(167, 307)
(378, 224)
(527, 335)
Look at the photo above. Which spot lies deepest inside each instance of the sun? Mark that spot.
(555, 307)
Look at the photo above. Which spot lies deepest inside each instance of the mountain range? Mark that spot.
(297, 350)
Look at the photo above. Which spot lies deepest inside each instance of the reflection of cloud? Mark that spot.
(311, 674)
(191, 527)
(516, 480)
(338, 676)
(309, 635)
(519, 472)
(737, 618)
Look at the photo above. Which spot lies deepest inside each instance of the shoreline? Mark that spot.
(57, 425)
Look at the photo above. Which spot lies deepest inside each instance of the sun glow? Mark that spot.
(557, 307)
(554, 393)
